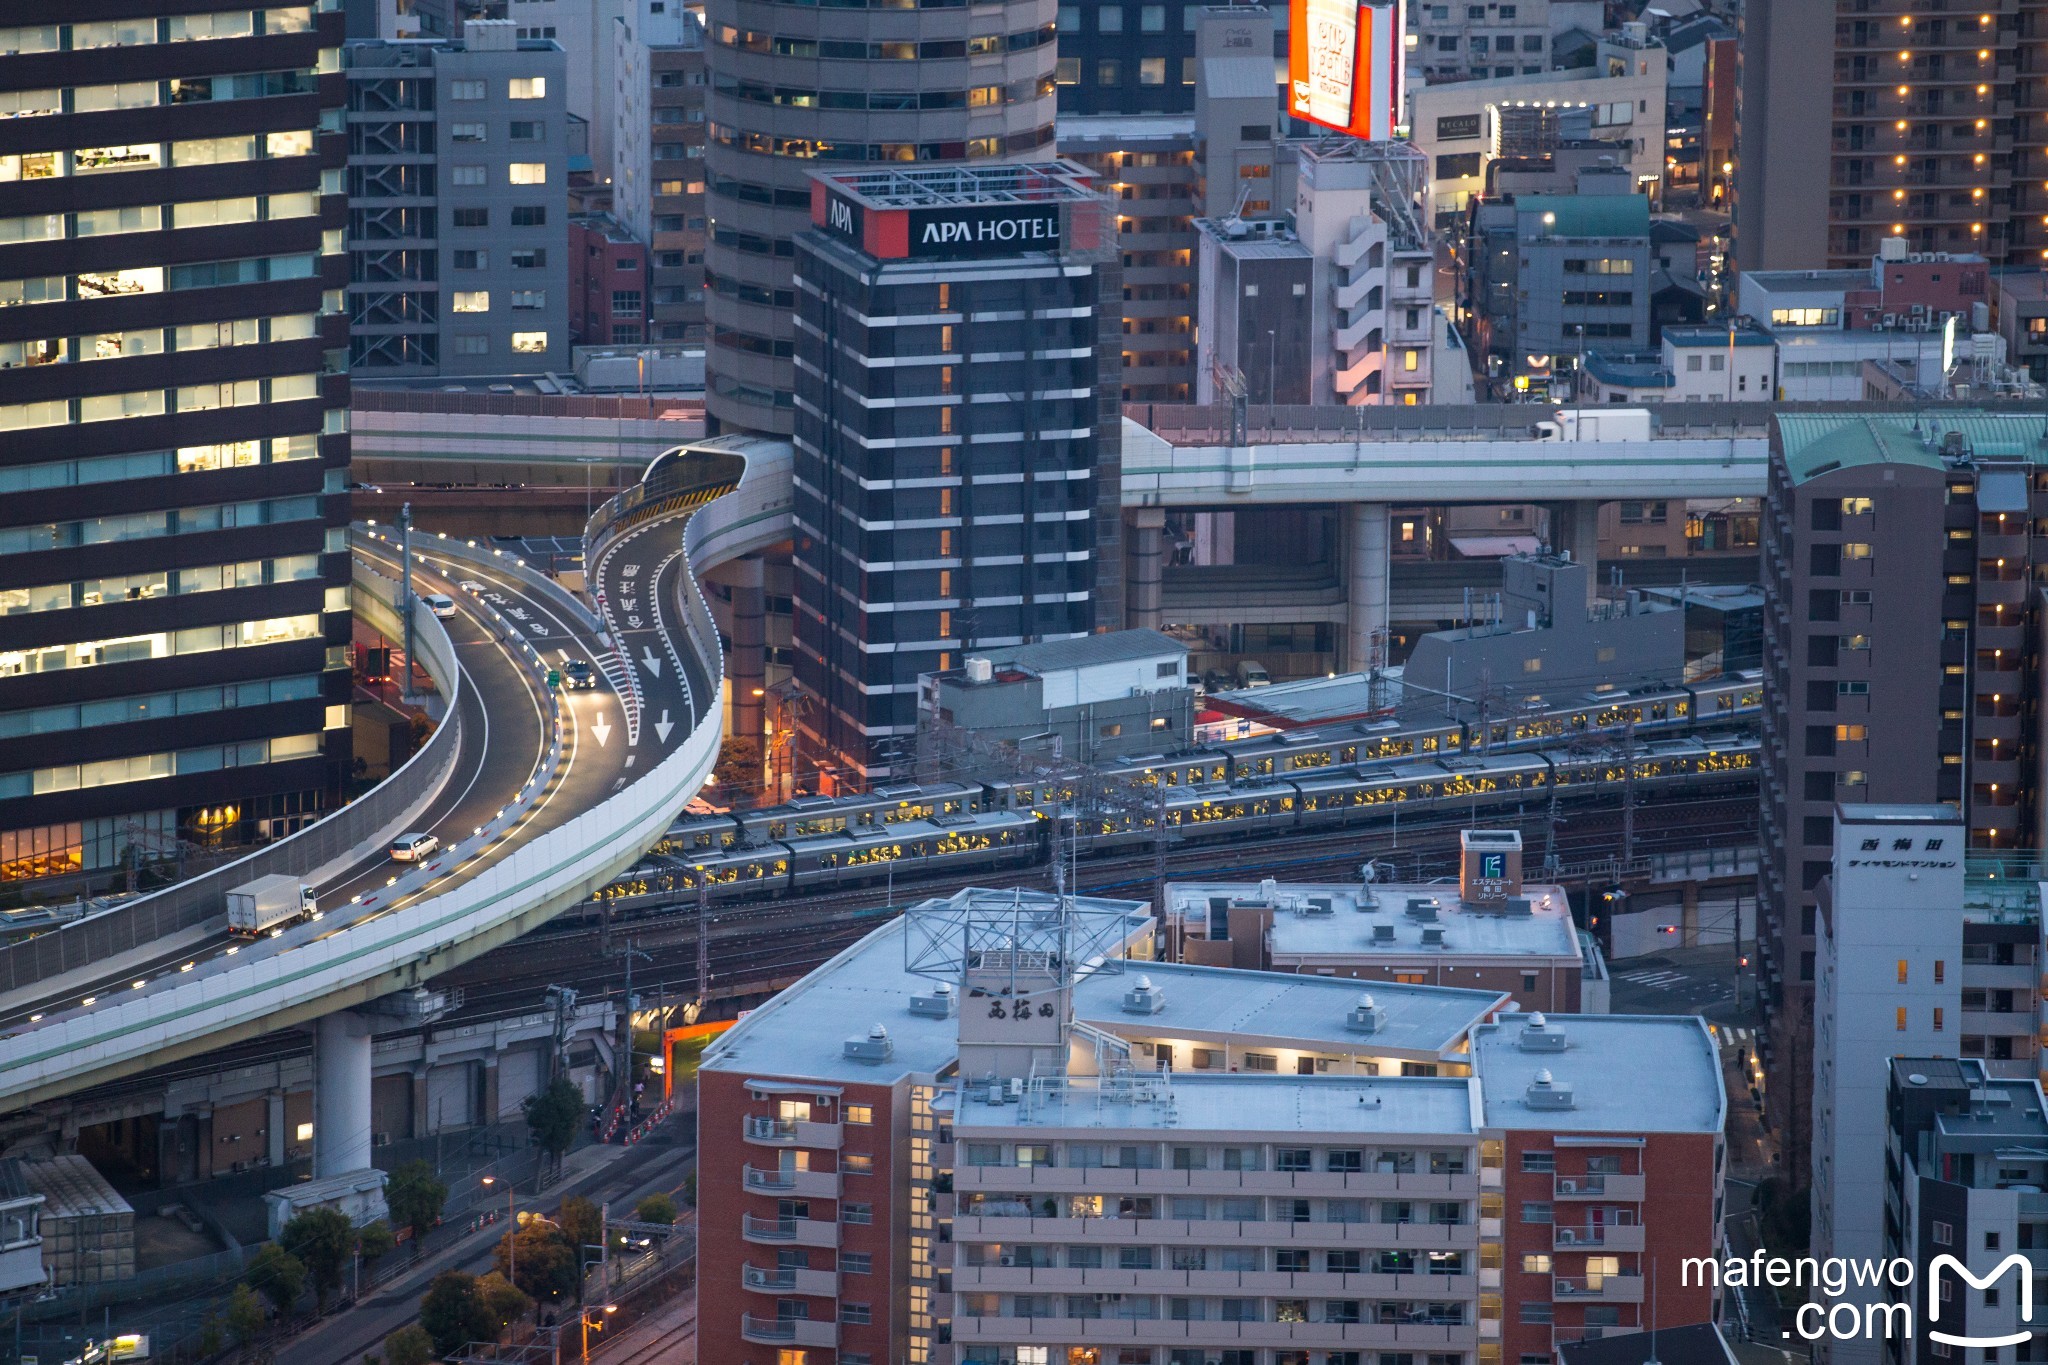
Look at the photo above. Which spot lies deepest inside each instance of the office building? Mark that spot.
(458, 233)
(657, 166)
(1964, 1171)
(1146, 58)
(1930, 128)
(792, 86)
(607, 283)
(1734, 362)
(176, 427)
(1897, 569)
(956, 441)
(1474, 42)
(1493, 932)
(1463, 127)
(585, 31)
(1177, 1164)
(1904, 309)
(1554, 279)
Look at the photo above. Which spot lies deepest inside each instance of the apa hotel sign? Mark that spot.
(946, 232)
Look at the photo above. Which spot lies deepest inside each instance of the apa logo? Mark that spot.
(2014, 1261)
(839, 217)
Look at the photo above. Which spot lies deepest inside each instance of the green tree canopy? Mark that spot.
(415, 1196)
(452, 1313)
(277, 1275)
(324, 1240)
(655, 1208)
(409, 1345)
(554, 1115)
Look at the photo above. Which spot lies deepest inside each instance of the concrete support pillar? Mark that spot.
(341, 1095)
(273, 1127)
(420, 1127)
(1575, 530)
(1366, 551)
(1147, 565)
(749, 645)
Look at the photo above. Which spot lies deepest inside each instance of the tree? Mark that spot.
(245, 1314)
(545, 1266)
(501, 1300)
(374, 1241)
(452, 1313)
(409, 1345)
(277, 1275)
(554, 1115)
(690, 1189)
(415, 1196)
(323, 1240)
(583, 1224)
(655, 1208)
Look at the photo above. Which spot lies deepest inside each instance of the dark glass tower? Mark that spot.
(174, 611)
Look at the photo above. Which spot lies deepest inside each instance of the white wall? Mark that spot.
(1891, 905)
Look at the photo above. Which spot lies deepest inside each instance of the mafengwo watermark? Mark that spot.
(1884, 1307)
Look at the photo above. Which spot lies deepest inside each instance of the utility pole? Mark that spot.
(703, 943)
(1628, 791)
(405, 580)
(629, 952)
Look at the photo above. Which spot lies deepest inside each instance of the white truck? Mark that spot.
(1596, 424)
(255, 908)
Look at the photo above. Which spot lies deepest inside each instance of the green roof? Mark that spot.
(1587, 215)
(1821, 442)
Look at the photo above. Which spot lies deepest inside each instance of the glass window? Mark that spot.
(29, 38)
(107, 407)
(472, 301)
(93, 99)
(212, 151)
(467, 132)
(530, 343)
(121, 156)
(30, 103)
(527, 88)
(107, 284)
(40, 227)
(214, 212)
(132, 218)
(1109, 19)
(31, 166)
(528, 173)
(294, 143)
(469, 177)
(187, 28)
(113, 33)
(465, 90)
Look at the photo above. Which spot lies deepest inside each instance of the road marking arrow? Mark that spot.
(664, 725)
(653, 664)
(602, 730)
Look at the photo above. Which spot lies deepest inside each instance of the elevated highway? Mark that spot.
(546, 798)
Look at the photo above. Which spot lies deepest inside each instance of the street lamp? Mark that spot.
(512, 1218)
(583, 1317)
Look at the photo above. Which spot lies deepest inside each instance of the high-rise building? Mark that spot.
(1898, 558)
(657, 165)
(1926, 125)
(458, 229)
(793, 86)
(956, 1129)
(956, 437)
(1480, 42)
(174, 619)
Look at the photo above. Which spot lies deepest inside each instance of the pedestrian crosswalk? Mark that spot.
(1656, 980)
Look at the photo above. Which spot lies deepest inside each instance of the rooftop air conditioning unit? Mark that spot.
(877, 1047)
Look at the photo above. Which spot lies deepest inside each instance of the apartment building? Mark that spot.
(1964, 1171)
(174, 577)
(458, 233)
(1897, 570)
(956, 456)
(657, 165)
(1921, 124)
(1147, 58)
(1492, 932)
(1041, 1160)
(792, 85)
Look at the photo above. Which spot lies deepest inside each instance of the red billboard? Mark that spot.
(1344, 65)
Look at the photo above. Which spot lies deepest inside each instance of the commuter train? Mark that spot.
(819, 844)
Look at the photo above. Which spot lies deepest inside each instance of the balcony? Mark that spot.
(803, 1232)
(1625, 1187)
(805, 1184)
(1599, 1236)
(1059, 1181)
(1210, 1332)
(817, 1284)
(977, 1227)
(1599, 1289)
(789, 1331)
(1367, 1284)
(767, 1132)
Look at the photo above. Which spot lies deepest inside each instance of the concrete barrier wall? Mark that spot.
(375, 816)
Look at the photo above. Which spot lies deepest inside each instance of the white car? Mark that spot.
(439, 603)
(413, 848)
(471, 586)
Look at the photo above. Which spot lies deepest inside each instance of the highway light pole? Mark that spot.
(405, 575)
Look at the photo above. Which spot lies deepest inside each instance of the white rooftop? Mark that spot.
(1418, 1022)
(802, 1032)
(1347, 932)
(1625, 1073)
(1233, 1106)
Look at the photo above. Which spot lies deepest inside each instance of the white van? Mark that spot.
(439, 603)
(413, 848)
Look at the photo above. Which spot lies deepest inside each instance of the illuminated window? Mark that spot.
(472, 301)
(529, 343)
(1899, 1019)
(528, 172)
(527, 88)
